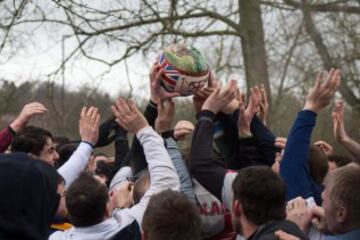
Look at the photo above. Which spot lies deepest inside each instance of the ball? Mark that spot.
(185, 69)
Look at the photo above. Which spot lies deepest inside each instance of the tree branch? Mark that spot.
(325, 56)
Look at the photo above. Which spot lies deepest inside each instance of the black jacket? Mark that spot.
(266, 231)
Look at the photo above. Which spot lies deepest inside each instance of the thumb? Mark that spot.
(285, 236)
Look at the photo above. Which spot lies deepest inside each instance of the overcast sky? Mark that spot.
(42, 54)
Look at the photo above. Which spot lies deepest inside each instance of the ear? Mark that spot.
(237, 208)
(108, 210)
(341, 214)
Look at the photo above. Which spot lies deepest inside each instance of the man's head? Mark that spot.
(336, 161)
(341, 199)
(318, 164)
(259, 197)
(36, 141)
(86, 201)
(105, 170)
(65, 152)
(98, 157)
(170, 215)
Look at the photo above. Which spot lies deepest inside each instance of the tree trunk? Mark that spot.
(253, 45)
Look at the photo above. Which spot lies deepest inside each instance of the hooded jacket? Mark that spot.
(29, 197)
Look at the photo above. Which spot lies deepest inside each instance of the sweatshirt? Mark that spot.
(294, 167)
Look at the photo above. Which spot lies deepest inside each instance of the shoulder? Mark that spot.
(58, 235)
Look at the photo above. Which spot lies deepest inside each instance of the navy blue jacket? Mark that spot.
(294, 167)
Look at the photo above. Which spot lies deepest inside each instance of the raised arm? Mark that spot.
(29, 110)
(204, 167)
(162, 172)
(157, 93)
(166, 110)
(89, 132)
(294, 167)
(340, 134)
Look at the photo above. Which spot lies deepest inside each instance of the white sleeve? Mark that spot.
(163, 175)
(227, 194)
(77, 163)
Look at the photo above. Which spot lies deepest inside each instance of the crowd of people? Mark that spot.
(238, 181)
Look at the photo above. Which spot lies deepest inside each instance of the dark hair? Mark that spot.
(60, 141)
(318, 164)
(65, 152)
(170, 215)
(30, 140)
(86, 201)
(141, 186)
(261, 193)
(339, 160)
(105, 169)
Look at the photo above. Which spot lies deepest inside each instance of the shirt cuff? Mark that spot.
(11, 131)
(205, 113)
(145, 130)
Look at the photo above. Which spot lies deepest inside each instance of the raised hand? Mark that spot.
(166, 111)
(235, 103)
(339, 131)
(183, 128)
(28, 111)
(264, 105)
(89, 125)
(280, 142)
(281, 235)
(324, 90)
(200, 97)
(220, 98)
(246, 115)
(327, 148)
(156, 91)
(128, 116)
(338, 122)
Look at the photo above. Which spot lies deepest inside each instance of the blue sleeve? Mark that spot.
(265, 141)
(294, 167)
(186, 186)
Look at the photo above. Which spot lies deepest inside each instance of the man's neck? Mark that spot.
(350, 227)
(248, 229)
